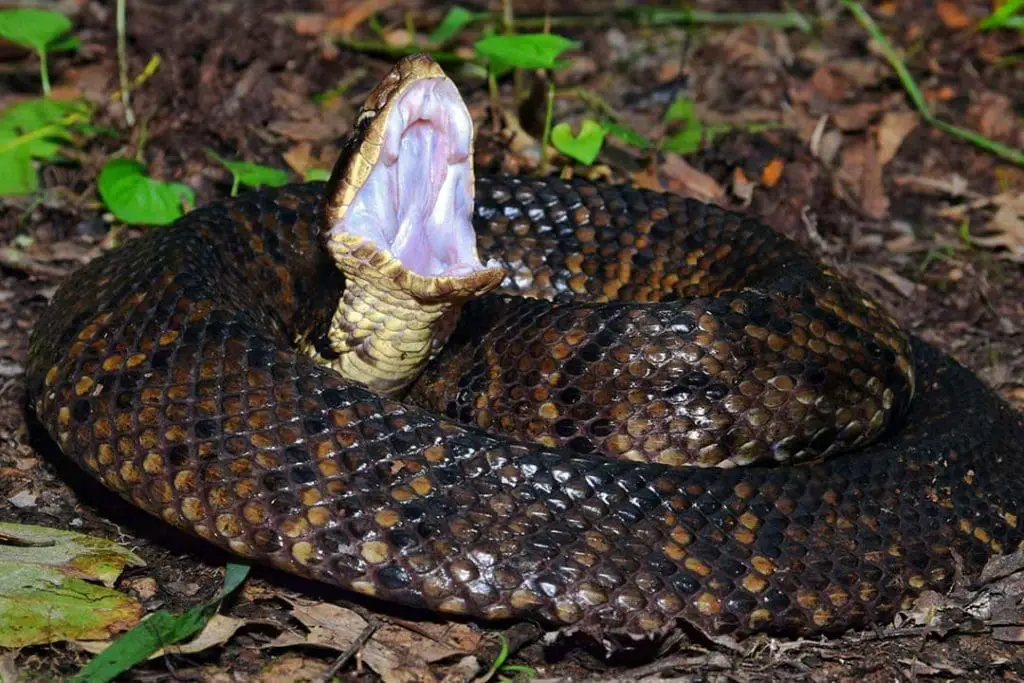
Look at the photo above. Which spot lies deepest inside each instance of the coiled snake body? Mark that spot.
(573, 453)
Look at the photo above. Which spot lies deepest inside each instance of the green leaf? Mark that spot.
(690, 137)
(17, 174)
(136, 198)
(627, 135)
(686, 141)
(46, 594)
(453, 22)
(250, 174)
(681, 109)
(29, 130)
(65, 44)
(313, 174)
(40, 124)
(34, 28)
(1004, 16)
(583, 147)
(525, 51)
(160, 629)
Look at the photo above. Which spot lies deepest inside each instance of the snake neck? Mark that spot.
(384, 337)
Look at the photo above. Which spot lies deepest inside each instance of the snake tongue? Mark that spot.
(416, 202)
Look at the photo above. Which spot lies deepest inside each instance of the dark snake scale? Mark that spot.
(167, 369)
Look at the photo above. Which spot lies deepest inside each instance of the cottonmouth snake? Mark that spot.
(195, 371)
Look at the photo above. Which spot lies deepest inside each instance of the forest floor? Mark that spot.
(809, 130)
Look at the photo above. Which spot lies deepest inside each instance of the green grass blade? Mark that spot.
(917, 97)
(162, 628)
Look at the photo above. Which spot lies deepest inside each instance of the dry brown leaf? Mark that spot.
(856, 116)
(894, 127)
(218, 630)
(677, 176)
(1006, 227)
(291, 668)
(830, 84)
(861, 170)
(310, 24)
(994, 115)
(393, 651)
(300, 158)
(952, 15)
(742, 187)
(309, 131)
(772, 172)
(862, 73)
(297, 105)
(355, 13)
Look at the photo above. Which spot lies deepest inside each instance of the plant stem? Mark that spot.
(122, 62)
(44, 73)
(492, 88)
(548, 115)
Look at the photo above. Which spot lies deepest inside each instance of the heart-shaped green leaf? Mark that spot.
(583, 147)
(526, 50)
(34, 28)
(136, 198)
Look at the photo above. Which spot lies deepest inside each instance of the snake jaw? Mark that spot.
(397, 221)
(402, 197)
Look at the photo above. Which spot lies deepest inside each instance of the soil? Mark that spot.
(821, 143)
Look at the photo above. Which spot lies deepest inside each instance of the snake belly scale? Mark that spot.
(667, 411)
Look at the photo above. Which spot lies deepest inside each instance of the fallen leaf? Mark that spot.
(355, 13)
(943, 93)
(830, 84)
(856, 116)
(952, 15)
(77, 554)
(862, 73)
(46, 594)
(218, 630)
(772, 172)
(292, 668)
(680, 177)
(23, 499)
(742, 187)
(861, 170)
(392, 651)
(894, 127)
(1006, 228)
(310, 23)
(994, 115)
(310, 130)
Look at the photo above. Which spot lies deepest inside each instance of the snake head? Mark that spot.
(399, 203)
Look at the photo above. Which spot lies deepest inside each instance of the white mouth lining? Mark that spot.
(417, 203)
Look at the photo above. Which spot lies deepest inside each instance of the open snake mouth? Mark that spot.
(407, 187)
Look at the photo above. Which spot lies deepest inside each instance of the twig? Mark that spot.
(357, 644)
(122, 63)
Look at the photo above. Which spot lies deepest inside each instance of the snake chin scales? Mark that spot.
(613, 410)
